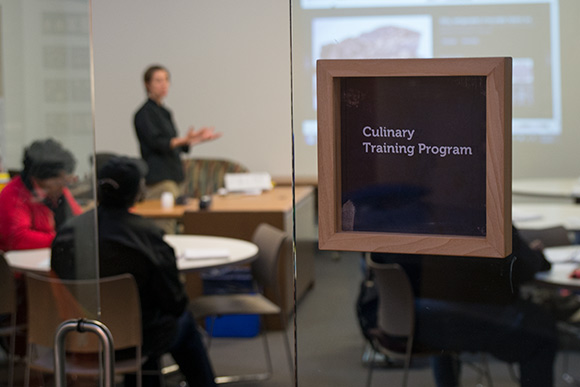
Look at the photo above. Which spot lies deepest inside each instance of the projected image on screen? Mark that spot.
(527, 31)
(372, 37)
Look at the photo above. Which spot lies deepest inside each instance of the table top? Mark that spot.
(564, 260)
(548, 187)
(193, 252)
(36, 260)
(274, 200)
(544, 215)
(199, 252)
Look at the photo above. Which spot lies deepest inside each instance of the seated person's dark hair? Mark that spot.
(44, 159)
(101, 158)
(120, 181)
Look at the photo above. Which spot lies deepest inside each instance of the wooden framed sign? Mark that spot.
(414, 156)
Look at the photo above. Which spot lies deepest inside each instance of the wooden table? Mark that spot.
(238, 252)
(152, 209)
(238, 215)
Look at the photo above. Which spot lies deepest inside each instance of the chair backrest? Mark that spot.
(205, 176)
(551, 236)
(7, 287)
(270, 241)
(396, 309)
(52, 301)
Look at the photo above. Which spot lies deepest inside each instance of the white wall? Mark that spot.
(229, 65)
(229, 62)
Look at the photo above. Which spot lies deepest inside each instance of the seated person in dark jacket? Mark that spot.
(473, 304)
(131, 244)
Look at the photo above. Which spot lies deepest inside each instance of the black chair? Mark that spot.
(394, 335)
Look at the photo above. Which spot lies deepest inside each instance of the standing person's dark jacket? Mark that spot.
(155, 129)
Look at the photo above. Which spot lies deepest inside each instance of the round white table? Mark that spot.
(193, 252)
(36, 260)
(199, 252)
(564, 260)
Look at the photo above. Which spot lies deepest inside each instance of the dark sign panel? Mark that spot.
(413, 154)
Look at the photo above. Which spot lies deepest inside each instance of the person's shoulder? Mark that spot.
(141, 108)
(67, 233)
(84, 220)
(145, 225)
(147, 106)
(15, 191)
(16, 184)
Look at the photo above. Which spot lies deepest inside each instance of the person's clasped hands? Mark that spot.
(202, 135)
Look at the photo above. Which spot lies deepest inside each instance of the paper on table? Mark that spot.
(205, 254)
(563, 256)
(522, 216)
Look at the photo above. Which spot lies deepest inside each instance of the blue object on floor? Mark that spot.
(231, 280)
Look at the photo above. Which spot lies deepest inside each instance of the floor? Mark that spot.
(331, 349)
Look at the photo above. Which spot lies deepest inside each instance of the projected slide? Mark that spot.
(527, 31)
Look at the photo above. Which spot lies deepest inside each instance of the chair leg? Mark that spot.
(289, 354)
(11, 355)
(408, 356)
(486, 371)
(27, 367)
(287, 344)
(406, 370)
(249, 377)
(267, 351)
(210, 331)
(158, 372)
(371, 366)
(513, 373)
(139, 370)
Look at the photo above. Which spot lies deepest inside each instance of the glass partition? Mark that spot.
(46, 150)
(455, 297)
(228, 66)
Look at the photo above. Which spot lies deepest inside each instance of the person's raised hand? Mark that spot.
(202, 135)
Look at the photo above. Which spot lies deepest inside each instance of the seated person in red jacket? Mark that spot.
(35, 203)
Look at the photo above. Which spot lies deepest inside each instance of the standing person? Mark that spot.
(35, 203)
(158, 138)
(129, 243)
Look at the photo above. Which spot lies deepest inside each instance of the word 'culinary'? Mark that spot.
(421, 148)
(382, 131)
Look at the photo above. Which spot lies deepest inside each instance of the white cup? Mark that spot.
(167, 200)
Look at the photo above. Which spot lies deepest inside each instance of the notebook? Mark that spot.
(207, 253)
